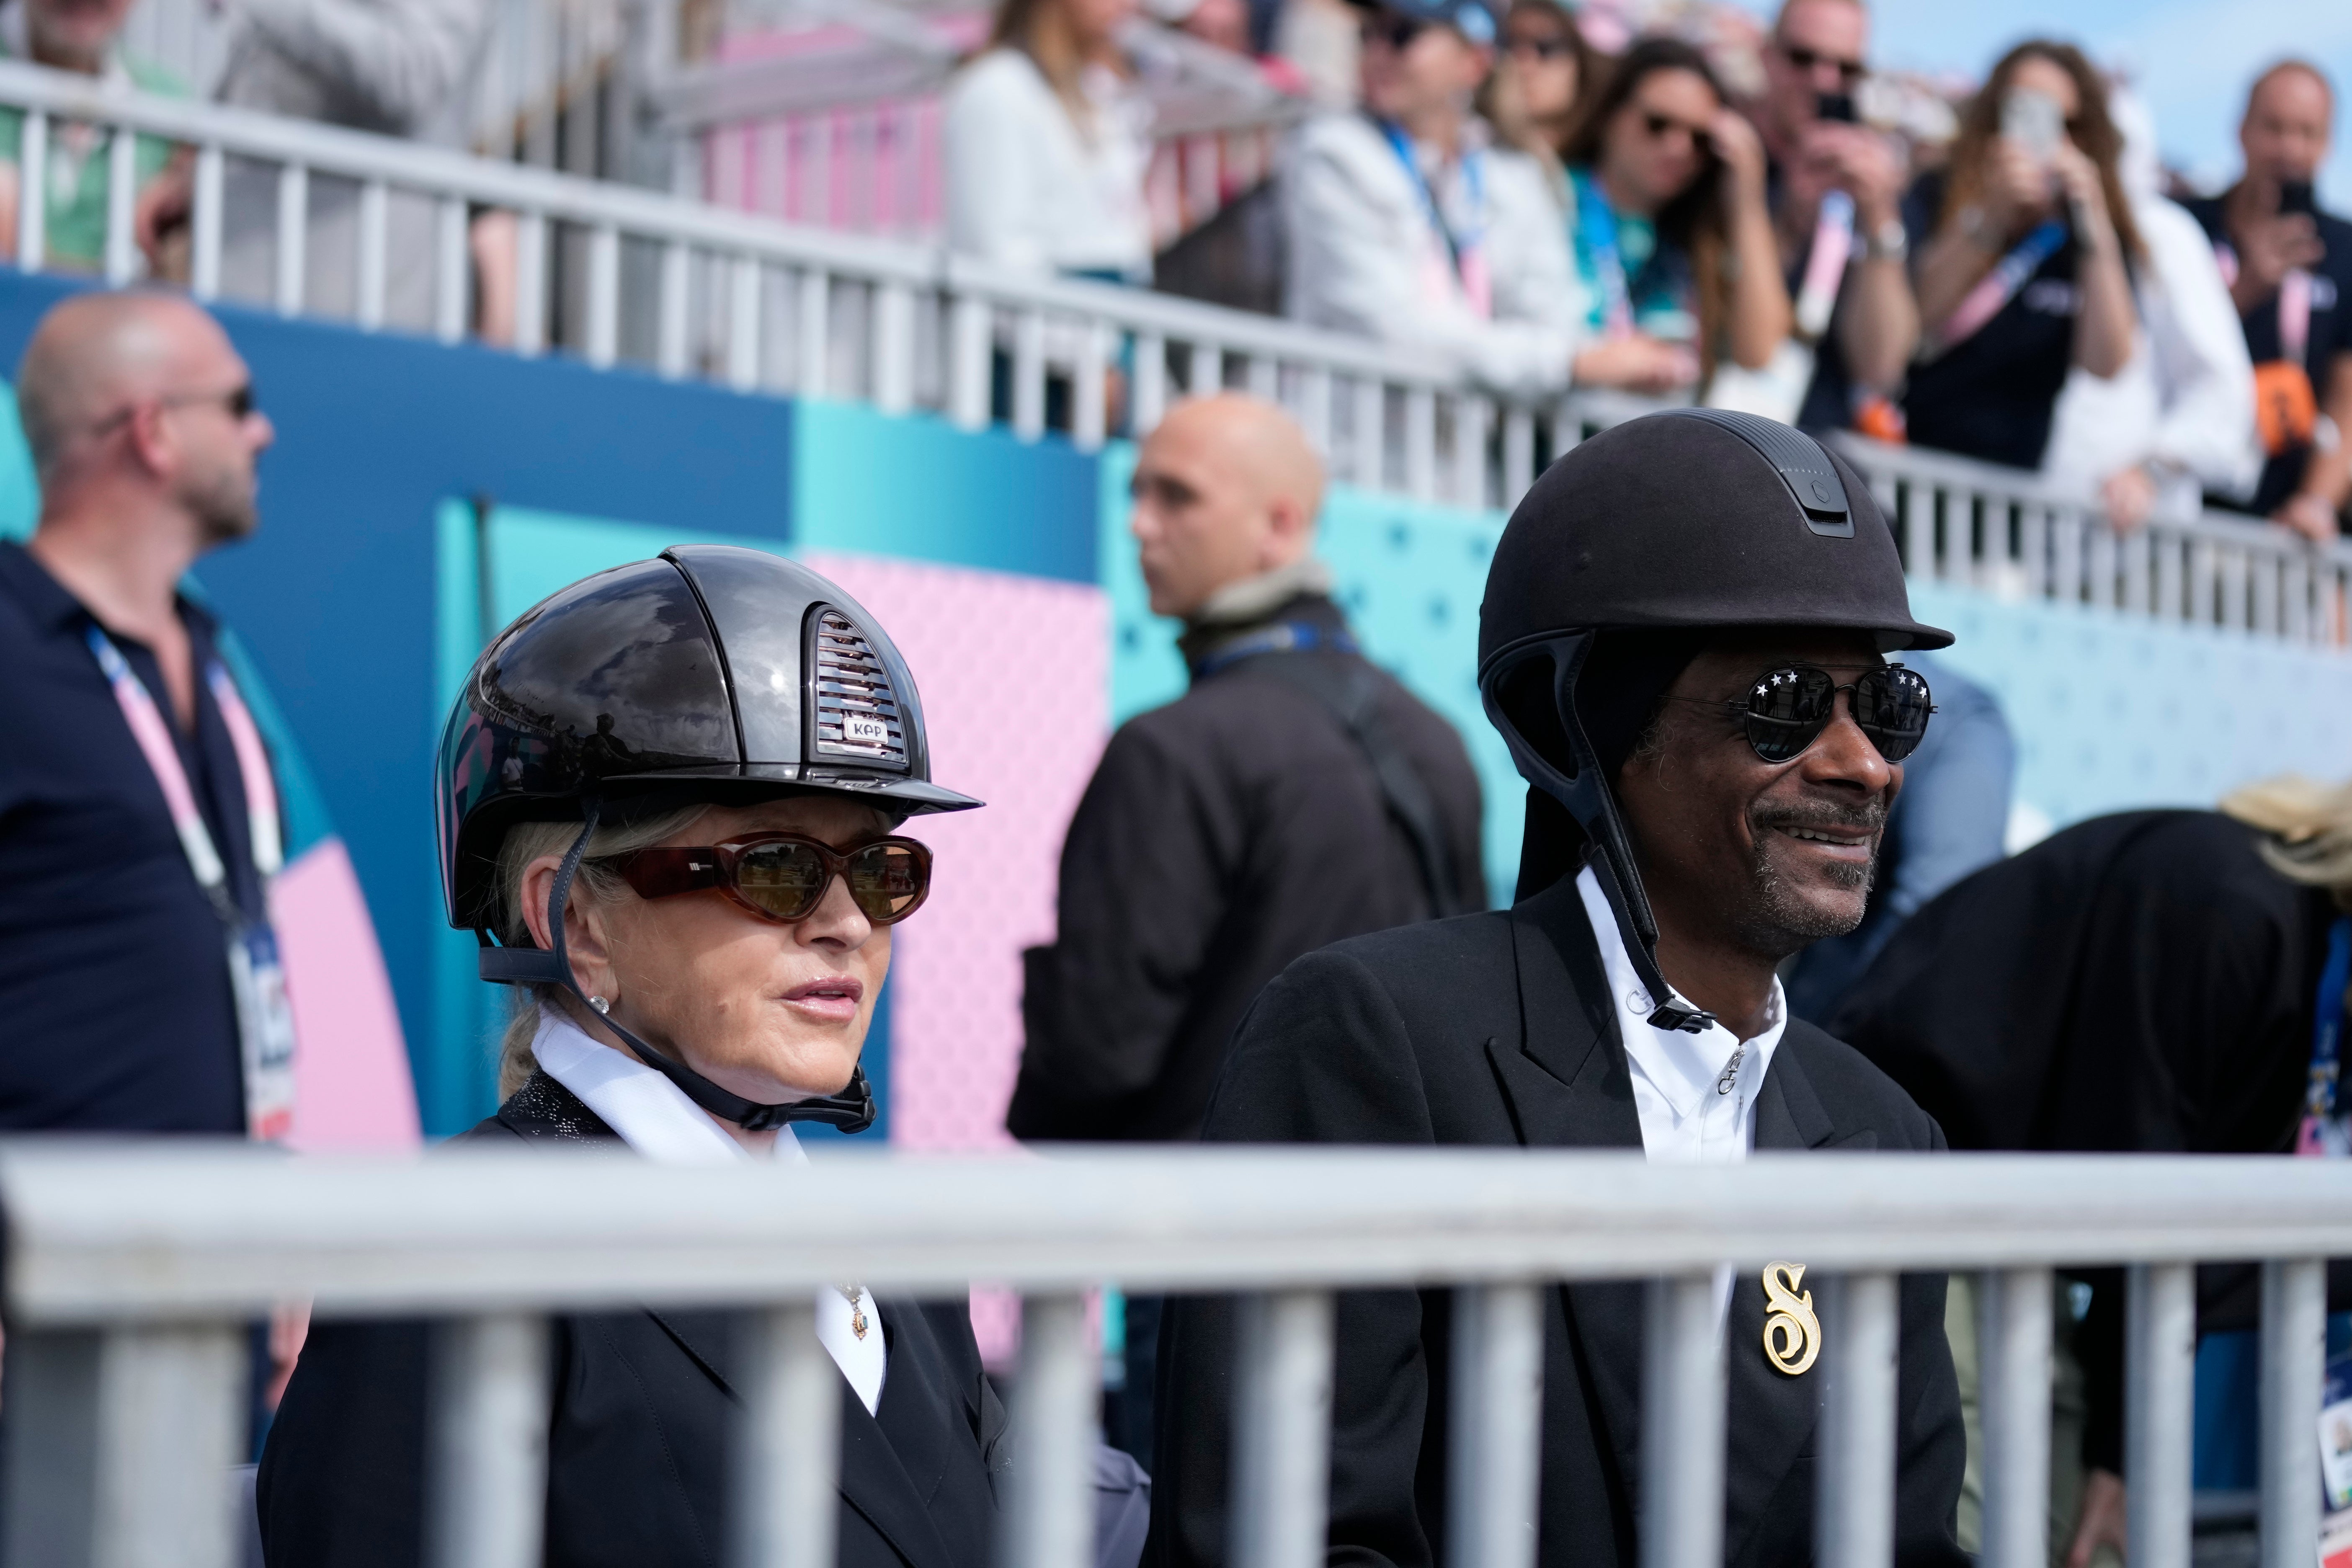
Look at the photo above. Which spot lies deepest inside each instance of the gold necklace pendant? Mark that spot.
(1793, 1335)
(857, 1295)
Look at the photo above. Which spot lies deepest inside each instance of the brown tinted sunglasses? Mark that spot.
(784, 876)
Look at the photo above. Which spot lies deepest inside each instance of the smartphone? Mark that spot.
(2295, 196)
(1836, 106)
(2034, 121)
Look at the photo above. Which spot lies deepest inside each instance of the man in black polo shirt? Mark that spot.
(116, 784)
(2289, 267)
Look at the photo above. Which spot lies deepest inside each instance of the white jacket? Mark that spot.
(1027, 188)
(1364, 252)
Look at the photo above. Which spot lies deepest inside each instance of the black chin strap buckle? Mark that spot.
(1586, 798)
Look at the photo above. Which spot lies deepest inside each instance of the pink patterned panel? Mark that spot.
(352, 1087)
(1015, 678)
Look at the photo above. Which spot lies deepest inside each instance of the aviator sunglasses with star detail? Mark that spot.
(784, 876)
(1785, 710)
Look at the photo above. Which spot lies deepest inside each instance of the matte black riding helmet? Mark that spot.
(1674, 524)
(710, 675)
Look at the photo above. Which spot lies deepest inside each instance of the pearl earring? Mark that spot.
(600, 1003)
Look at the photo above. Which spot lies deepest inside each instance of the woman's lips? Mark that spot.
(832, 999)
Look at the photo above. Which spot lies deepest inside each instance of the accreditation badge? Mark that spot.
(265, 1027)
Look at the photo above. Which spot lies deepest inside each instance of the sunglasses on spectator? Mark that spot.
(1396, 31)
(1659, 125)
(1786, 710)
(1849, 71)
(783, 876)
(238, 402)
(1550, 48)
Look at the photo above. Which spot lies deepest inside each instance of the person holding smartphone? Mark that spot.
(2289, 267)
(2023, 255)
(1835, 190)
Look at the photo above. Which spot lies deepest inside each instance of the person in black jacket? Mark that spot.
(1681, 641)
(1295, 795)
(699, 893)
(2148, 982)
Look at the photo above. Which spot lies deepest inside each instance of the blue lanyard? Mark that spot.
(1283, 637)
(1473, 178)
(2328, 1023)
(1596, 222)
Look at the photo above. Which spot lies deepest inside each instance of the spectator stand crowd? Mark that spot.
(1667, 197)
(1676, 201)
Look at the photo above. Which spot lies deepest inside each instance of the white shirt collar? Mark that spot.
(654, 1117)
(652, 1114)
(1682, 1070)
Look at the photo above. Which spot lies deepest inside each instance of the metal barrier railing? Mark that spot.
(688, 289)
(132, 1272)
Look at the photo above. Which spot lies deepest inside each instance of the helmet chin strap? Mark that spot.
(852, 1111)
(1587, 798)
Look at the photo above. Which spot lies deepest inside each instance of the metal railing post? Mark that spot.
(373, 239)
(1282, 1431)
(122, 193)
(1683, 1425)
(171, 1415)
(1862, 1322)
(293, 239)
(2294, 1360)
(788, 1455)
(452, 271)
(2159, 1411)
(603, 295)
(1495, 1465)
(2013, 1327)
(530, 284)
(204, 222)
(33, 181)
(1050, 1522)
(486, 1476)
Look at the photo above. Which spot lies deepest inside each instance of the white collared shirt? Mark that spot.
(1688, 1111)
(654, 1117)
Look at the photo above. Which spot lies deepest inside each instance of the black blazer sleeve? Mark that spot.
(1140, 896)
(1322, 1057)
(342, 1479)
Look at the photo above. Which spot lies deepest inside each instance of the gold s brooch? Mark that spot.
(1793, 1335)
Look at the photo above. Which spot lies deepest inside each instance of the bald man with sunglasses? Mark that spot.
(129, 745)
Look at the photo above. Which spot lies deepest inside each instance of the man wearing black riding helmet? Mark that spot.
(1685, 641)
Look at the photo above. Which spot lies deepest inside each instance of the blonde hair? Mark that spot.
(529, 841)
(2310, 824)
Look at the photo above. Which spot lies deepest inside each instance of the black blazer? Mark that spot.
(638, 1436)
(1498, 1029)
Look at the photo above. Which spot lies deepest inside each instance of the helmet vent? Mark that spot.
(857, 712)
(1802, 463)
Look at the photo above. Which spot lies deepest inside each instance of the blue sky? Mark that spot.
(2191, 59)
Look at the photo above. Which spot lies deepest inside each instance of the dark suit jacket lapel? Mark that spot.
(1568, 1087)
(873, 1479)
(1772, 1415)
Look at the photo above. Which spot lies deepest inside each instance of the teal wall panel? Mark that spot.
(915, 486)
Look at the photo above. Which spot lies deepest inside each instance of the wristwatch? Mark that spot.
(1890, 241)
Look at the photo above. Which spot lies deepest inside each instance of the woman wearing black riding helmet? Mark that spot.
(671, 792)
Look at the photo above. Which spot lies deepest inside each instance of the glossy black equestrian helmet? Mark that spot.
(708, 674)
(1686, 521)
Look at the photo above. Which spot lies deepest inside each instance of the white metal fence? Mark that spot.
(133, 1272)
(617, 274)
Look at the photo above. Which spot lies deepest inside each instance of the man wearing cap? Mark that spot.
(1406, 223)
(1682, 643)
